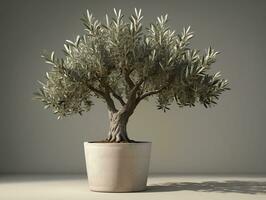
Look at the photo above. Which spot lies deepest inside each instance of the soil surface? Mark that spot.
(105, 141)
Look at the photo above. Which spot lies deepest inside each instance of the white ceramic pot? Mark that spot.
(117, 167)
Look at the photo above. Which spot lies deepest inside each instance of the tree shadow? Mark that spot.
(245, 187)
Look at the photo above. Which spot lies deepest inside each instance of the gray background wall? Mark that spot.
(230, 138)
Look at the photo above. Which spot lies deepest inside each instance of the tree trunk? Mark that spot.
(118, 127)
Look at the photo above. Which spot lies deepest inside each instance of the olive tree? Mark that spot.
(122, 63)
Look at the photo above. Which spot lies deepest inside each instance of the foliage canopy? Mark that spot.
(121, 60)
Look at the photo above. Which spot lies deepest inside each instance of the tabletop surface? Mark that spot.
(160, 186)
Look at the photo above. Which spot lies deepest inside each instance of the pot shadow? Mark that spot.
(244, 187)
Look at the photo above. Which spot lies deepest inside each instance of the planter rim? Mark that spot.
(114, 144)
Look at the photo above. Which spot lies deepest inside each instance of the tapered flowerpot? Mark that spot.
(117, 167)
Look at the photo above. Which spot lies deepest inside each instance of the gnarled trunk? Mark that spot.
(118, 127)
(119, 119)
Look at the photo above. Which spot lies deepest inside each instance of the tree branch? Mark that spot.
(131, 102)
(151, 93)
(119, 98)
(110, 102)
(106, 96)
(96, 91)
(143, 96)
(136, 87)
(128, 79)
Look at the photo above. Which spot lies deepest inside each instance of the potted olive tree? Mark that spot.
(122, 64)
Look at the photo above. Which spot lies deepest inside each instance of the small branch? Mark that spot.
(105, 95)
(110, 103)
(108, 98)
(96, 91)
(132, 103)
(136, 87)
(151, 93)
(119, 98)
(129, 80)
(143, 96)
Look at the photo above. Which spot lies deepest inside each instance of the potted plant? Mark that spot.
(122, 64)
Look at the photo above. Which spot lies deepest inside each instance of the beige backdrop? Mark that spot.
(229, 138)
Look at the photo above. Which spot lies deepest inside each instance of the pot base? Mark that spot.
(114, 190)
